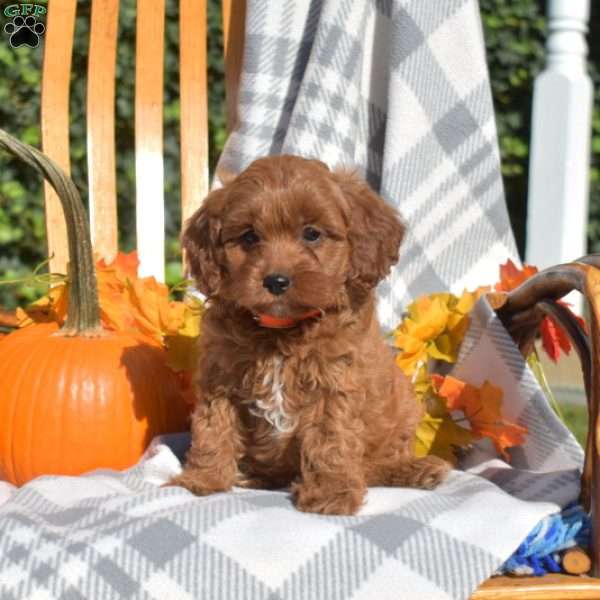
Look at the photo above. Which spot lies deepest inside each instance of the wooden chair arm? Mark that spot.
(522, 311)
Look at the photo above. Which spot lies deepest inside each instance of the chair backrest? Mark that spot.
(100, 109)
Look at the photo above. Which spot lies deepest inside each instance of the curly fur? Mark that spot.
(320, 406)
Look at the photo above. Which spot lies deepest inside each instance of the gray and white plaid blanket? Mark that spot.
(399, 89)
(119, 536)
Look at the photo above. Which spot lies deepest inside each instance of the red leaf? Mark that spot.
(554, 339)
(579, 319)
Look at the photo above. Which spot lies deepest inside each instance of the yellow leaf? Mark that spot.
(441, 437)
(182, 352)
(443, 348)
(192, 319)
(465, 303)
(422, 383)
(429, 320)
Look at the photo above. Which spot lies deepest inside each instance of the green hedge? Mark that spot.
(514, 32)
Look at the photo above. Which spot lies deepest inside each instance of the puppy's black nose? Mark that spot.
(276, 283)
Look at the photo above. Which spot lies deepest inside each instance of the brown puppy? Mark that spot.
(295, 383)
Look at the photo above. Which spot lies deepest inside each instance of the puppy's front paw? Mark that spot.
(432, 471)
(327, 500)
(424, 473)
(199, 482)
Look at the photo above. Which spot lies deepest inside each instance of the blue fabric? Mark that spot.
(539, 553)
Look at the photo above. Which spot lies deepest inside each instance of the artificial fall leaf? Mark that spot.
(415, 337)
(554, 339)
(434, 327)
(154, 314)
(443, 348)
(49, 309)
(421, 383)
(413, 353)
(511, 276)
(464, 305)
(124, 264)
(483, 409)
(441, 436)
(428, 317)
(140, 306)
(182, 353)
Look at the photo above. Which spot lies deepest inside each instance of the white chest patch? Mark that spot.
(269, 403)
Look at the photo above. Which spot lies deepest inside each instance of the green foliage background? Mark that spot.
(514, 33)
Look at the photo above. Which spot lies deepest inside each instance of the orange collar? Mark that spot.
(284, 323)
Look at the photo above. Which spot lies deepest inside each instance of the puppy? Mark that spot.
(295, 383)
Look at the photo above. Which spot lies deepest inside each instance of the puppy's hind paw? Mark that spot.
(197, 482)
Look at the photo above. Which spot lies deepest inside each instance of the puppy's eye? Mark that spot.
(310, 234)
(250, 238)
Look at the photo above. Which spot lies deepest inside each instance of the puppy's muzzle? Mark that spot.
(276, 283)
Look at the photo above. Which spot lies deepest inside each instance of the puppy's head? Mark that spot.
(288, 236)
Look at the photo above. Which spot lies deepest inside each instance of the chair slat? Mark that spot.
(150, 217)
(101, 127)
(234, 21)
(56, 73)
(194, 107)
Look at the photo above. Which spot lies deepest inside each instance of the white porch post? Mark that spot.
(560, 141)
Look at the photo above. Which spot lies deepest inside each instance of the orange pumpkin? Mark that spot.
(72, 404)
(79, 398)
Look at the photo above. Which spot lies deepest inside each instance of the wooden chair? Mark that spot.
(521, 310)
(148, 117)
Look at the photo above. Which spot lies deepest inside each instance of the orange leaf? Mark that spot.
(511, 276)
(448, 388)
(49, 309)
(483, 409)
(125, 264)
(140, 306)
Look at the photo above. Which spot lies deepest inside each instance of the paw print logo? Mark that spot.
(24, 31)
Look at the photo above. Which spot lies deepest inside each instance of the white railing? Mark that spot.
(560, 141)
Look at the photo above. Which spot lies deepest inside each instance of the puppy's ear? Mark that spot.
(201, 242)
(375, 233)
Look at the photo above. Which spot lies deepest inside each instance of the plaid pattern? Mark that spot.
(118, 536)
(399, 90)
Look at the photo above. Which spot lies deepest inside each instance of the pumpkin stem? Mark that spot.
(83, 317)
